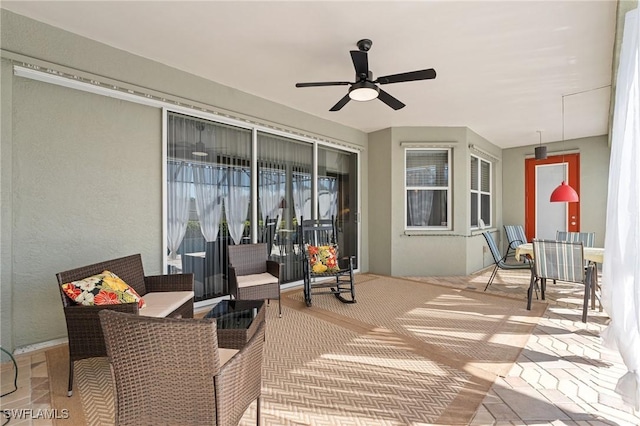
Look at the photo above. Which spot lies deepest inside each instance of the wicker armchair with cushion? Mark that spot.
(252, 276)
(122, 285)
(172, 372)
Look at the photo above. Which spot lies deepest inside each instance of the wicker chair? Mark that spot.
(171, 371)
(251, 275)
(83, 324)
(563, 261)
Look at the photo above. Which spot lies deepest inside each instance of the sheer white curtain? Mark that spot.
(178, 197)
(237, 205)
(302, 196)
(621, 269)
(419, 203)
(271, 194)
(328, 198)
(206, 181)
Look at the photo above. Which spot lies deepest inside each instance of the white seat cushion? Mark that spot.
(255, 279)
(226, 354)
(162, 303)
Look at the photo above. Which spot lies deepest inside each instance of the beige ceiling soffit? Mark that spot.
(482, 153)
(427, 144)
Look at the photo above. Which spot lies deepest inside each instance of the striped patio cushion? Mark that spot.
(515, 235)
(559, 260)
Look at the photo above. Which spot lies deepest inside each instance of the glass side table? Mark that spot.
(237, 321)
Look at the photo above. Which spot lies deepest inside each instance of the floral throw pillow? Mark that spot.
(102, 289)
(322, 259)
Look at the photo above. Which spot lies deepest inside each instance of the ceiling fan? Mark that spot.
(365, 88)
(187, 150)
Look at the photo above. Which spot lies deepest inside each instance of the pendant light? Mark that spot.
(199, 149)
(541, 151)
(564, 193)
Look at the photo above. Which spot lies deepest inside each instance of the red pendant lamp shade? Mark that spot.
(564, 194)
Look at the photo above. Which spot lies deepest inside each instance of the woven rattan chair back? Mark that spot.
(253, 259)
(129, 268)
(248, 259)
(167, 371)
(559, 260)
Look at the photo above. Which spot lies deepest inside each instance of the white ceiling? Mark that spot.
(502, 66)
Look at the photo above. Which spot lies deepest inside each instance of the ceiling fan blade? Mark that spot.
(342, 102)
(390, 100)
(324, 83)
(360, 63)
(407, 76)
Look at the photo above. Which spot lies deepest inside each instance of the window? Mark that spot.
(480, 192)
(427, 188)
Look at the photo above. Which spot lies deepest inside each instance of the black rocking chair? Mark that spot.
(320, 260)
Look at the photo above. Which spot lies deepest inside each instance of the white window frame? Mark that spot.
(480, 193)
(447, 188)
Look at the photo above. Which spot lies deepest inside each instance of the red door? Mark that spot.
(537, 205)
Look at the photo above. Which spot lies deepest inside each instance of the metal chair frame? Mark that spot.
(500, 260)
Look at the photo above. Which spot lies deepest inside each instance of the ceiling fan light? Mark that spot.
(564, 194)
(199, 150)
(363, 91)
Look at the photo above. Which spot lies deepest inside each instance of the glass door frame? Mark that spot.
(255, 128)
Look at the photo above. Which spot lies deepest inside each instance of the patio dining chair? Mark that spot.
(515, 237)
(562, 261)
(500, 260)
(588, 239)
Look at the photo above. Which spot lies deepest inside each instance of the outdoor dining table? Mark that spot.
(592, 254)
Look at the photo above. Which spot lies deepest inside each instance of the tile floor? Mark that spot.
(563, 377)
(32, 392)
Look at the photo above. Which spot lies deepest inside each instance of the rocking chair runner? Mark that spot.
(320, 261)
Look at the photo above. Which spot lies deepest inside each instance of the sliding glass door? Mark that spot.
(337, 195)
(284, 192)
(214, 171)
